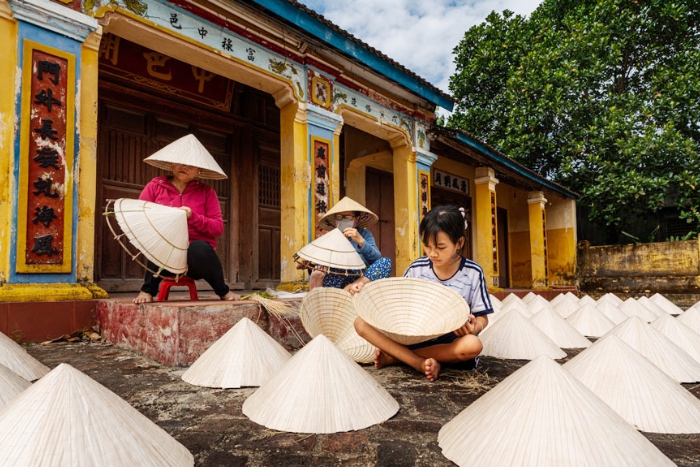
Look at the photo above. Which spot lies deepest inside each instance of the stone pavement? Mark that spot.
(209, 422)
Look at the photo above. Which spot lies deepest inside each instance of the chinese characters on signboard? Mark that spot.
(494, 233)
(321, 152)
(450, 182)
(46, 164)
(424, 193)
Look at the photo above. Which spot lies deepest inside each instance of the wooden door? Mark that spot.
(379, 196)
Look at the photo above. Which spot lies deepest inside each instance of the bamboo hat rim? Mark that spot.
(332, 250)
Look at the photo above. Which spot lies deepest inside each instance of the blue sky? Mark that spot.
(420, 35)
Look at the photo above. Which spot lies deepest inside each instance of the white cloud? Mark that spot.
(419, 35)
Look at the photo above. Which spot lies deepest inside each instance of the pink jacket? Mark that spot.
(206, 222)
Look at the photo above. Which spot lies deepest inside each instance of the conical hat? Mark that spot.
(538, 303)
(158, 232)
(518, 305)
(611, 311)
(513, 336)
(586, 300)
(331, 312)
(188, 151)
(529, 297)
(610, 298)
(542, 416)
(566, 307)
(14, 357)
(635, 388)
(679, 334)
(411, 310)
(332, 250)
(346, 204)
(556, 328)
(68, 419)
(667, 305)
(691, 318)
(11, 384)
(589, 321)
(653, 307)
(632, 307)
(244, 356)
(658, 349)
(320, 390)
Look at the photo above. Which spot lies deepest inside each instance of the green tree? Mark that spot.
(601, 96)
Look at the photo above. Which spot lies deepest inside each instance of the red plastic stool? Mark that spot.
(185, 281)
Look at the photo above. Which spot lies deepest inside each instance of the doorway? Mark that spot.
(379, 196)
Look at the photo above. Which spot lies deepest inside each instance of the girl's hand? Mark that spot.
(468, 328)
(187, 210)
(352, 234)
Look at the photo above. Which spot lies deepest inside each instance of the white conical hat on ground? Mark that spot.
(667, 305)
(635, 388)
(320, 390)
(586, 300)
(538, 303)
(158, 232)
(558, 298)
(632, 307)
(543, 416)
(679, 334)
(610, 298)
(188, 151)
(411, 310)
(559, 330)
(653, 307)
(14, 357)
(332, 250)
(612, 312)
(366, 217)
(511, 297)
(566, 308)
(495, 301)
(658, 349)
(11, 384)
(529, 297)
(68, 419)
(691, 318)
(513, 336)
(244, 356)
(589, 321)
(519, 306)
(331, 312)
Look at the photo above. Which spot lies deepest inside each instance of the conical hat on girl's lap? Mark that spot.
(158, 232)
(332, 250)
(331, 312)
(366, 217)
(188, 151)
(411, 310)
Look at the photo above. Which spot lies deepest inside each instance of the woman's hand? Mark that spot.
(352, 234)
(187, 210)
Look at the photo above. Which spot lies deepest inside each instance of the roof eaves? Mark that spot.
(319, 27)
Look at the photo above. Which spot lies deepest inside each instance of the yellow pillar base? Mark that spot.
(50, 292)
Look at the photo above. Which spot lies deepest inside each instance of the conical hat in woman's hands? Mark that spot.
(188, 151)
(411, 310)
(332, 250)
(158, 232)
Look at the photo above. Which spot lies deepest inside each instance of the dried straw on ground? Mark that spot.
(188, 151)
(14, 357)
(320, 390)
(559, 330)
(635, 388)
(411, 310)
(67, 419)
(691, 318)
(541, 416)
(158, 232)
(514, 336)
(667, 305)
(679, 334)
(11, 384)
(332, 250)
(244, 356)
(658, 349)
(331, 312)
(589, 321)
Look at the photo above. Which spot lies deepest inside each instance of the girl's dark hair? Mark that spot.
(448, 219)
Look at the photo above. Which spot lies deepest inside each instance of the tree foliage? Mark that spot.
(601, 96)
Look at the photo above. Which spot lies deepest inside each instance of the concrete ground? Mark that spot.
(209, 422)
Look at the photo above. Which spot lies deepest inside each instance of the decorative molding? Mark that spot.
(6, 10)
(54, 17)
(425, 158)
(323, 118)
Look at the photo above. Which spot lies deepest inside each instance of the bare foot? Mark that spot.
(382, 359)
(143, 297)
(431, 368)
(231, 297)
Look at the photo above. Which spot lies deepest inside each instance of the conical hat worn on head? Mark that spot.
(331, 312)
(158, 232)
(188, 151)
(346, 204)
(332, 250)
(410, 310)
(67, 419)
